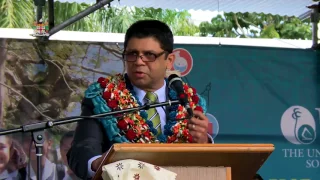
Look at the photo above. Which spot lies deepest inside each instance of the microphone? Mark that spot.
(175, 83)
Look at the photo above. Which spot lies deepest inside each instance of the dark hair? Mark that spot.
(69, 134)
(151, 28)
(257, 176)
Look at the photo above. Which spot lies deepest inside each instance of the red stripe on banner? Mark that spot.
(210, 131)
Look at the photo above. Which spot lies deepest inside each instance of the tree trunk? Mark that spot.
(3, 90)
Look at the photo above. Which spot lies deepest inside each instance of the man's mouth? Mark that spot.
(139, 74)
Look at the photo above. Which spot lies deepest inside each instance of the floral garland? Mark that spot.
(116, 93)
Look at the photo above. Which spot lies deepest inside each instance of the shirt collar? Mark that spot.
(13, 174)
(4, 174)
(47, 172)
(161, 93)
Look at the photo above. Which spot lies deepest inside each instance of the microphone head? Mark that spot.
(175, 82)
(172, 78)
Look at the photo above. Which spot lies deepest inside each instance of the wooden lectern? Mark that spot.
(195, 161)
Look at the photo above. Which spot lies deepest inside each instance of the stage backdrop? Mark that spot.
(254, 95)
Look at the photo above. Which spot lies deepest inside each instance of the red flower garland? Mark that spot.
(133, 125)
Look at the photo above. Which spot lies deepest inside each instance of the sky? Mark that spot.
(200, 16)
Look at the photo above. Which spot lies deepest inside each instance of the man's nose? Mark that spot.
(139, 60)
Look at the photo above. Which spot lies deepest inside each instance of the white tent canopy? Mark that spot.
(118, 38)
(280, 7)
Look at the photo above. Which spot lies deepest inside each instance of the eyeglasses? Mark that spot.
(146, 57)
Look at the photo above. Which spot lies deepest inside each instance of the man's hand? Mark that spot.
(198, 127)
(96, 163)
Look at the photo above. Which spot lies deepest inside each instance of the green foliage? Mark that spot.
(20, 14)
(269, 32)
(248, 25)
(16, 14)
(118, 20)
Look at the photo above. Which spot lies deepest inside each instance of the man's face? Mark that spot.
(143, 74)
(64, 148)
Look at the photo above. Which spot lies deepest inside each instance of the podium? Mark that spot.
(195, 161)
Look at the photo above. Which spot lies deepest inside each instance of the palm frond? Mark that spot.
(16, 13)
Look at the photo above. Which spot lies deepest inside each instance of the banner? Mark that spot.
(264, 95)
(254, 95)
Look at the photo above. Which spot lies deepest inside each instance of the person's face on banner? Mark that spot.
(64, 148)
(5, 146)
(26, 146)
(147, 63)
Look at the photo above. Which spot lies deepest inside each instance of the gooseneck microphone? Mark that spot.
(175, 83)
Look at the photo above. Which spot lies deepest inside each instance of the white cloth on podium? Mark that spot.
(135, 170)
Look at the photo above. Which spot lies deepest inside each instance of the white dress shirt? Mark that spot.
(5, 175)
(162, 96)
(48, 173)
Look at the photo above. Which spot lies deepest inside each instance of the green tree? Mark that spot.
(118, 20)
(248, 25)
(179, 21)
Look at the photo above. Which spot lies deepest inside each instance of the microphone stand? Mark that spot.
(37, 129)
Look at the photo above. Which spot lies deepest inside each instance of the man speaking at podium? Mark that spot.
(148, 48)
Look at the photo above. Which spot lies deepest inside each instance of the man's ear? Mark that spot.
(170, 60)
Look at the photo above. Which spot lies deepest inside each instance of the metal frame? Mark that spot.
(305, 15)
(54, 29)
(315, 20)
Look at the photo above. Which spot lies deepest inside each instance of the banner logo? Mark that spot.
(183, 62)
(298, 125)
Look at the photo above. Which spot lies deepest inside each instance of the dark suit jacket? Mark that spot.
(89, 141)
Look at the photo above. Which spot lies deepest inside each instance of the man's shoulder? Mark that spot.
(100, 84)
(97, 88)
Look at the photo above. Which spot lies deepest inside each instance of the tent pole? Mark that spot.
(315, 20)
